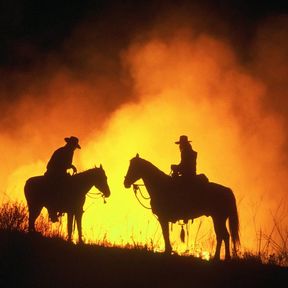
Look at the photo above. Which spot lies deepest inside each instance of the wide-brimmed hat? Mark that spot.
(183, 139)
(73, 141)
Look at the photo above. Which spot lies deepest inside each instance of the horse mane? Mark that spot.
(153, 167)
(85, 172)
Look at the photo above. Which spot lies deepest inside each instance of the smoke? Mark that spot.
(127, 85)
(269, 58)
(196, 86)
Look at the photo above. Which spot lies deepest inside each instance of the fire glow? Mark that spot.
(184, 85)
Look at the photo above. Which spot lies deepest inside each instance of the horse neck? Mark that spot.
(84, 180)
(153, 178)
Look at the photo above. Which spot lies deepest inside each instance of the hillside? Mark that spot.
(35, 261)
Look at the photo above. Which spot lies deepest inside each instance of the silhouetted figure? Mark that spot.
(73, 194)
(187, 165)
(209, 199)
(58, 165)
(62, 158)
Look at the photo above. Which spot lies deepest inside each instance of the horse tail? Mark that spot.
(234, 224)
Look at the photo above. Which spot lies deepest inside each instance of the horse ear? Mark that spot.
(101, 166)
(137, 155)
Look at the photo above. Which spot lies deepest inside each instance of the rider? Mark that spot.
(187, 165)
(59, 163)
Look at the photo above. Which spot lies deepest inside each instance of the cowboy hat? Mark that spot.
(183, 139)
(73, 141)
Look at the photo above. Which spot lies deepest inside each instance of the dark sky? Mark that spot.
(31, 28)
(40, 37)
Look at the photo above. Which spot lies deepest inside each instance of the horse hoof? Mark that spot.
(168, 252)
(34, 234)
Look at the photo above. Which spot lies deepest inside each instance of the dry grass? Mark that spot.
(14, 217)
(31, 260)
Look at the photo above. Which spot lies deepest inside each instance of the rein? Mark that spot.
(96, 195)
(136, 188)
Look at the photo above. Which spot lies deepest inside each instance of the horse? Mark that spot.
(173, 199)
(65, 196)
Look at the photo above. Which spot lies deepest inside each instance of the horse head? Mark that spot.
(100, 181)
(133, 173)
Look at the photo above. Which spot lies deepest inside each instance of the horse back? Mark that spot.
(219, 190)
(219, 197)
(202, 197)
(32, 182)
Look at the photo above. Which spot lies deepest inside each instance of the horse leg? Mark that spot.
(217, 229)
(226, 238)
(221, 234)
(79, 225)
(69, 225)
(165, 232)
(33, 214)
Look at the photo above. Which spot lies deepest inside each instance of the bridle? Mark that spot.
(96, 195)
(136, 188)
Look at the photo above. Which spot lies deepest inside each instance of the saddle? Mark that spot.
(184, 184)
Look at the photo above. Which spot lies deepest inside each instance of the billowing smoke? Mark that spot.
(133, 85)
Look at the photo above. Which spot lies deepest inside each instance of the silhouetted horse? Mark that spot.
(69, 196)
(173, 200)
